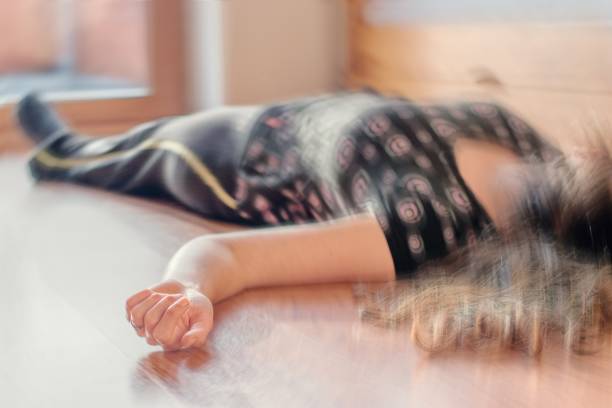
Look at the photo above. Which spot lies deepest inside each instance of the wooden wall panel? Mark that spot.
(546, 56)
(557, 75)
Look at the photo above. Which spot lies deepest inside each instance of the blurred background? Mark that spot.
(67, 45)
(114, 63)
(73, 46)
(108, 65)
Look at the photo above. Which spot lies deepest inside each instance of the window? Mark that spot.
(106, 64)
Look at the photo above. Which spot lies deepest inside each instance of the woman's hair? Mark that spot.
(550, 274)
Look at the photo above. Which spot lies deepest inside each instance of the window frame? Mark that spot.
(166, 94)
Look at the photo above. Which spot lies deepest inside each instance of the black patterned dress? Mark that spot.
(311, 160)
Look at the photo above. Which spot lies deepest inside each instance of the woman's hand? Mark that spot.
(171, 315)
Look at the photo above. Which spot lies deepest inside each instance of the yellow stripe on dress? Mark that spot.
(187, 155)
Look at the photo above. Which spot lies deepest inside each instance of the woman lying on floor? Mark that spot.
(508, 235)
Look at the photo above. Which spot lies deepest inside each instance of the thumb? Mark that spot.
(201, 323)
(196, 336)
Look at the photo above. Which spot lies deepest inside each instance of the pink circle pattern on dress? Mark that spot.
(501, 131)
(389, 177)
(443, 127)
(379, 125)
(459, 199)
(255, 150)
(345, 154)
(406, 179)
(439, 208)
(484, 110)
(315, 201)
(423, 162)
(290, 161)
(284, 214)
(458, 114)
(405, 114)
(471, 238)
(424, 136)
(416, 183)
(298, 212)
(273, 162)
(369, 152)
(517, 124)
(241, 190)
(383, 221)
(274, 122)
(360, 187)
(449, 235)
(524, 145)
(416, 244)
(328, 196)
(398, 145)
(261, 203)
(431, 111)
(410, 211)
(269, 217)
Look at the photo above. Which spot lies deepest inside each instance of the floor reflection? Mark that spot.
(166, 366)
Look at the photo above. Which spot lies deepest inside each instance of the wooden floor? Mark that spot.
(69, 257)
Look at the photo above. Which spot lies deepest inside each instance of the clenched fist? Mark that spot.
(171, 315)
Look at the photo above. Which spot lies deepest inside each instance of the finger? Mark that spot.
(135, 299)
(195, 337)
(140, 310)
(169, 330)
(139, 330)
(154, 315)
(201, 323)
(151, 341)
(197, 334)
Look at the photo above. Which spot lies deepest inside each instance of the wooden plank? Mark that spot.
(75, 254)
(51, 352)
(52, 355)
(470, 11)
(553, 56)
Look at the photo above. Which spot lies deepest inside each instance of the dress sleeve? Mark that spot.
(396, 239)
(396, 234)
(498, 124)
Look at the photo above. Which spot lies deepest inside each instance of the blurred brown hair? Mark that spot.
(550, 274)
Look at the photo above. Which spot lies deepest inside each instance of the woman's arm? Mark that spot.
(346, 250)
(214, 267)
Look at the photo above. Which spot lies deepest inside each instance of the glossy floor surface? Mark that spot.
(69, 257)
